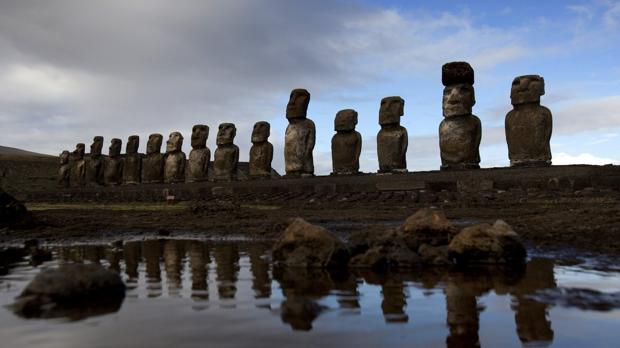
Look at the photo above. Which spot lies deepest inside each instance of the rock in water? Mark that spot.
(305, 245)
(427, 226)
(484, 243)
(72, 290)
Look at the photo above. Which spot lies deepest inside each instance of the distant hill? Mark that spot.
(14, 152)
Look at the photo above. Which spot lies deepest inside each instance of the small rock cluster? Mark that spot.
(425, 238)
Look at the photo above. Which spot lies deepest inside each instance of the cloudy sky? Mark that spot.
(70, 70)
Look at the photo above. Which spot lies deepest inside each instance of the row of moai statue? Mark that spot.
(528, 132)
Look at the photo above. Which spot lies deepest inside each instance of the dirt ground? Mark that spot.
(589, 223)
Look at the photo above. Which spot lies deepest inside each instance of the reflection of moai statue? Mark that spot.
(346, 143)
(78, 166)
(460, 131)
(392, 139)
(132, 166)
(94, 165)
(174, 161)
(528, 124)
(261, 153)
(64, 172)
(226, 155)
(113, 167)
(199, 157)
(300, 136)
(153, 162)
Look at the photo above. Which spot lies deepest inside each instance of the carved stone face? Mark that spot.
(97, 146)
(458, 100)
(175, 142)
(297, 106)
(261, 132)
(392, 108)
(64, 157)
(80, 149)
(527, 89)
(345, 120)
(226, 134)
(154, 143)
(132, 144)
(115, 147)
(200, 133)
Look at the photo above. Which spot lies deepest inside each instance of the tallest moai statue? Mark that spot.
(460, 132)
(528, 124)
(300, 136)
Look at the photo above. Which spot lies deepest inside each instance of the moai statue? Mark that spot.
(346, 144)
(199, 157)
(392, 139)
(528, 124)
(153, 162)
(300, 136)
(460, 131)
(261, 153)
(174, 160)
(226, 155)
(64, 172)
(132, 166)
(113, 167)
(94, 165)
(78, 166)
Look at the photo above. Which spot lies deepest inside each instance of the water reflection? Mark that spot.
(240, 272)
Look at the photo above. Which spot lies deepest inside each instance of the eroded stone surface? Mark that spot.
(484, 243)
(528, 124)
(261, 152)
(95, 163)
(78, 166)
(174, 160)
(153, 162)
(346, 143)
(132, 166)
(64, 171)
(113, 167)
(226, 157)
(427, 226)
(200, 156)
(300, 136)
(392, 139)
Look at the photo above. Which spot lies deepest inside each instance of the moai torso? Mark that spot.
(346, 143)
(261, 152)
(460, 132)
(132, 165)
(199, 157)
(528, 124)
(95, 163)
(153, 161)
(64, 171)
(459, 142)
(77, 166)
(300, 136)
(174, 161)
(226, 157)
(113, 168)
(392, 139)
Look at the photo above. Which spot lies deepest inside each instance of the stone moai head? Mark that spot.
(458, 94)
(154, 144)
(200, 133)
(64, 157)
(175, 142)
(80, 149)
(392, 108)
(115, 147)
(226, 133)
(527, 89)
(346, 120)
(97, 146)
(261, 132)
(132, 144)
(297, 106)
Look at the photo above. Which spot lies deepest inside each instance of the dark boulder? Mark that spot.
(12, 212)
(484, 243)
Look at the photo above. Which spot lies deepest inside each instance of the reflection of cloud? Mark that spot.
(583, 158)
